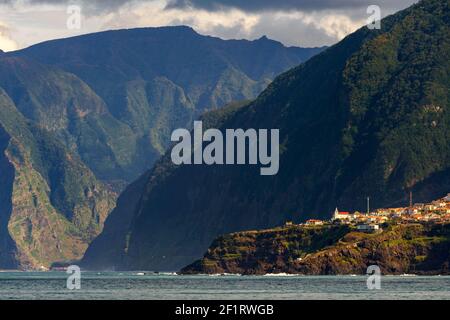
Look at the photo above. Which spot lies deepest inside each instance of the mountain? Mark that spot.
(66, 106)
(370, 116)
(330, 250)
(132, 88)
(51, 204)
(82, 117)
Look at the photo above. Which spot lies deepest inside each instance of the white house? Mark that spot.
(368, 227)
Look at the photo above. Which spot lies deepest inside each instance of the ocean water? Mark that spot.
(127, 285)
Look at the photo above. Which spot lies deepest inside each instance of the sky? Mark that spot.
(305, 23)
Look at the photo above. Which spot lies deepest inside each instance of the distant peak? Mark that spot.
(265, 40)
(1, 52)
(184, 27)
(179, 28)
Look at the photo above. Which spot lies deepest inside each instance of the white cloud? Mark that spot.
(295, 28)
(305, 29)
(154, 14)
(6, 43)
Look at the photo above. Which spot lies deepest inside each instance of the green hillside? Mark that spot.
(367, 117)
(51, 204)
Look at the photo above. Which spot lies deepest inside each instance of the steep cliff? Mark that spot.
(51, 204)
(332, 250)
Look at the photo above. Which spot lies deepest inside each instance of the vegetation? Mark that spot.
(418, 249)
(369, 116)
(52, 206)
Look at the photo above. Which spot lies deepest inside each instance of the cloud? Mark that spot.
(296, 28)
(89, 6)
(155, 14)
(6, 43)
(285, 5)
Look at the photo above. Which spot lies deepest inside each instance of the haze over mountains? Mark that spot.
(82, 117)
(142, 84)
(368, 117)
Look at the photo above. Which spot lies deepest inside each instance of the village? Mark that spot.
(437, 212)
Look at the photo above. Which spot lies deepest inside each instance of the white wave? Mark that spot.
(282, 274)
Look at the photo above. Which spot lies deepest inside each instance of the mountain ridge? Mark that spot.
(149, 89)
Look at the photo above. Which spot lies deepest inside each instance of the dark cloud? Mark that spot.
(286, 5)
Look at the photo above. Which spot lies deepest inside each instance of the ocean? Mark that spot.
(133, 285)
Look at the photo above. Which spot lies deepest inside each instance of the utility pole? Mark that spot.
(368, 205)
(410, 199)
(410, 202)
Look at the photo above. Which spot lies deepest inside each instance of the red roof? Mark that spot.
(344, 212)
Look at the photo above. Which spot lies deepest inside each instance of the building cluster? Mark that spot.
(437, 211)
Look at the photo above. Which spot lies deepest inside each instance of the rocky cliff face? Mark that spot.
(370, 116)
(51, 204)
(329, 250)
